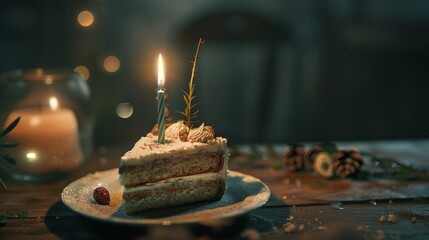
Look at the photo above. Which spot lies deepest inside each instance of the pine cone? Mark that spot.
(323, 164)
(347, 163)
(294, 157)
(310, 155)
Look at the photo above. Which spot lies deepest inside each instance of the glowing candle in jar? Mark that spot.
(48, 139)
(160, 97)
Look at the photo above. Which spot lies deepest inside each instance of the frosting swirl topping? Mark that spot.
(201, 134)
(174, 129)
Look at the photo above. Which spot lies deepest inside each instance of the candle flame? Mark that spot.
(53, 103)
(161, 76)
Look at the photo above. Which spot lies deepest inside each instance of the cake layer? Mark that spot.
(175, 191)
(175, 166)
(175, 173)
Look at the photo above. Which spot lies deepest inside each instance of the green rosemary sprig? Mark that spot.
(190, 112)
(9, 128)
(3, 154)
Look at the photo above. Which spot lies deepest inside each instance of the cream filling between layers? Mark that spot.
(183, 180)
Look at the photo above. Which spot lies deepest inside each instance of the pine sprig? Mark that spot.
(190, 111)
(10, 127)
(3, 154)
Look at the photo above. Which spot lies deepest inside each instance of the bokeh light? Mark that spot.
(31, 156)
(85, 18)
(82, 71)
(53, 103)
(48, 80)
(124, 110)
(111, 64)
(35, 121)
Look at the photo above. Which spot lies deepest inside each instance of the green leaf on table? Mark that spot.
(406, 173)
(7, 156)
(388, 164)
(9, 144)
(420, 199)
(10, 127)
(3, 185)
(399, 171)
(18, 214)
(362, 175)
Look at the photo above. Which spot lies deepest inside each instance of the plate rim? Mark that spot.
(264, 190)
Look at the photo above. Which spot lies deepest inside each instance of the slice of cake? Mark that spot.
(188, 168)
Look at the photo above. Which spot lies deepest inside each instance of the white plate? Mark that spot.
(243, 193)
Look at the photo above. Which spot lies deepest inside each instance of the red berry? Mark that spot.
(101, 196)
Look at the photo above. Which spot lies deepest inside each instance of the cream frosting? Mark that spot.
(148, 148)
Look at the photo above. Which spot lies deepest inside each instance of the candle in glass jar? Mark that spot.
(48, 138)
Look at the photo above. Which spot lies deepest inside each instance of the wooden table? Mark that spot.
(35, 211)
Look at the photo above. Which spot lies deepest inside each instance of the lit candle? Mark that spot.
(48, 138)
(160, 96)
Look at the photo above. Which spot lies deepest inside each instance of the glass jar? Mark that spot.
(55, 128)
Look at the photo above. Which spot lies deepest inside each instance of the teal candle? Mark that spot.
(161, 117)
(160, 97)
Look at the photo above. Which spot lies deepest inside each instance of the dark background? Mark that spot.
(269, 71)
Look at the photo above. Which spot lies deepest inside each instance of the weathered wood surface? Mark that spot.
(356, 221)
(48, 218)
